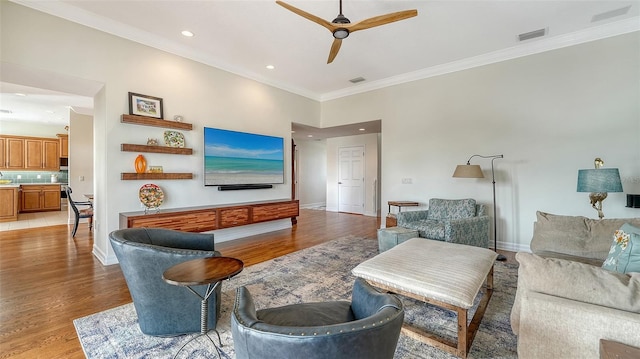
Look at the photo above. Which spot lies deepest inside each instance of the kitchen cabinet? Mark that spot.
(42, 154)
(9, 204)
(11, 153)
(29, 153)
(63, 144)
(39, 198)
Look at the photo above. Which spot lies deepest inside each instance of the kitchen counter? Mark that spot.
(29, 184)
(10, 185)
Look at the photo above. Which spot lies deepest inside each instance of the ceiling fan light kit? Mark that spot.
(341, 27)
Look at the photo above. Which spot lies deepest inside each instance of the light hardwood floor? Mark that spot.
(47, 278)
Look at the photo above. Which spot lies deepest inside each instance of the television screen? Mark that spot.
(240, 158)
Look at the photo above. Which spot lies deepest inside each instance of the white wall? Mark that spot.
(80, 155)
(550, 114)
(205, 96)
(30, 129)
(312, 172)
(370, 143)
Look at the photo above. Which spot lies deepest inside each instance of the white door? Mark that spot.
(351, 179)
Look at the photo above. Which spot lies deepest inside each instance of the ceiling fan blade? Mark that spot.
(335, 47)
(307, 16)
(382, 20)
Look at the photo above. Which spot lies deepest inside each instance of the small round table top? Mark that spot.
(203, 271)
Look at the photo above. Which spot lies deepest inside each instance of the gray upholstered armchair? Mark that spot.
(368, 327)
(144, 254)
(457, 221)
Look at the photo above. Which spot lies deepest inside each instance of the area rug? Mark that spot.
(318, 273)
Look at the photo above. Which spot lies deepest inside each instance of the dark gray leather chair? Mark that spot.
(368, 327)
(144, 254)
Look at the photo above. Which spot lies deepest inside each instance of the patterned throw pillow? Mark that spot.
(624, 256)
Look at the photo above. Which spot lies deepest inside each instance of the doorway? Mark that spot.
(351, 179)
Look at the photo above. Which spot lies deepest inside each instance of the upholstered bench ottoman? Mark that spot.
(448, 275)
(391, 237)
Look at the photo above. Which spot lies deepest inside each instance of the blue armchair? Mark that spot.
(457, 221)
(367, 327)
(144, 254)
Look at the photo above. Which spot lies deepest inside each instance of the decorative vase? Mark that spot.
(140, 164)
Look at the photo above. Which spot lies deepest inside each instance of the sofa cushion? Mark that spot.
(430, 229)
(308, 314)
(575, 281)
(575, 235)
(451, 208)
(624, 256)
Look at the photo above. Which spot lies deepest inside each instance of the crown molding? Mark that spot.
(530, 47)
(100, 23)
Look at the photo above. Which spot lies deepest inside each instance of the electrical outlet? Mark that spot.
(19, 177)
(38, 176)
(407, 181)
(81, 178)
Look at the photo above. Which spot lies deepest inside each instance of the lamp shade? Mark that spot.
(599, 180)
(468, 171)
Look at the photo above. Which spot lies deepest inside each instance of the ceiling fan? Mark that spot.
(341, 27)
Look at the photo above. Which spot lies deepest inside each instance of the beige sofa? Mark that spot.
(575, 238)
(564, 306)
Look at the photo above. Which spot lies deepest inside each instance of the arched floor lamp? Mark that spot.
(474, 171)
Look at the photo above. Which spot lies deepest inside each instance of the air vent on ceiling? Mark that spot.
(610, 14)
(5, 111)
(356, 80)
(532, 34)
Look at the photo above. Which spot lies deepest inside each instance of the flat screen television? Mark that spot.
(240, 158)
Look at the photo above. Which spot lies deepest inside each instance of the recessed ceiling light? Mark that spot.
(361, 129)
(49, 111)
(20, 94)
(309, 135)
(270, 67)
(187, 33)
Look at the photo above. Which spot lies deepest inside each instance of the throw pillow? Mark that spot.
(624, 255)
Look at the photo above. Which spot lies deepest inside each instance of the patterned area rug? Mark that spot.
(319, 273)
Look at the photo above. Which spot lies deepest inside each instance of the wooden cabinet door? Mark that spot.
(30, 199)
(3, 153)
(64, 145)
(51, 198)
(33, 154)
(270, 212)
(234, 217)
(8, 204)
(14, 153)
(51, 155)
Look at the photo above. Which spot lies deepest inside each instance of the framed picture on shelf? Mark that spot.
(144, 105)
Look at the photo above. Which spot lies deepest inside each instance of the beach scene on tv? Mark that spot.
(232, 157)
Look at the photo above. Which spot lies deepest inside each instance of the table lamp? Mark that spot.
(599, 181)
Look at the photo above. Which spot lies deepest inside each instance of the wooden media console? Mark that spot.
(209, 218)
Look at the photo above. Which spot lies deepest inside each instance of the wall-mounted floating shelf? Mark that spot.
(155, 176)
(155, 122)
(156, 149)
